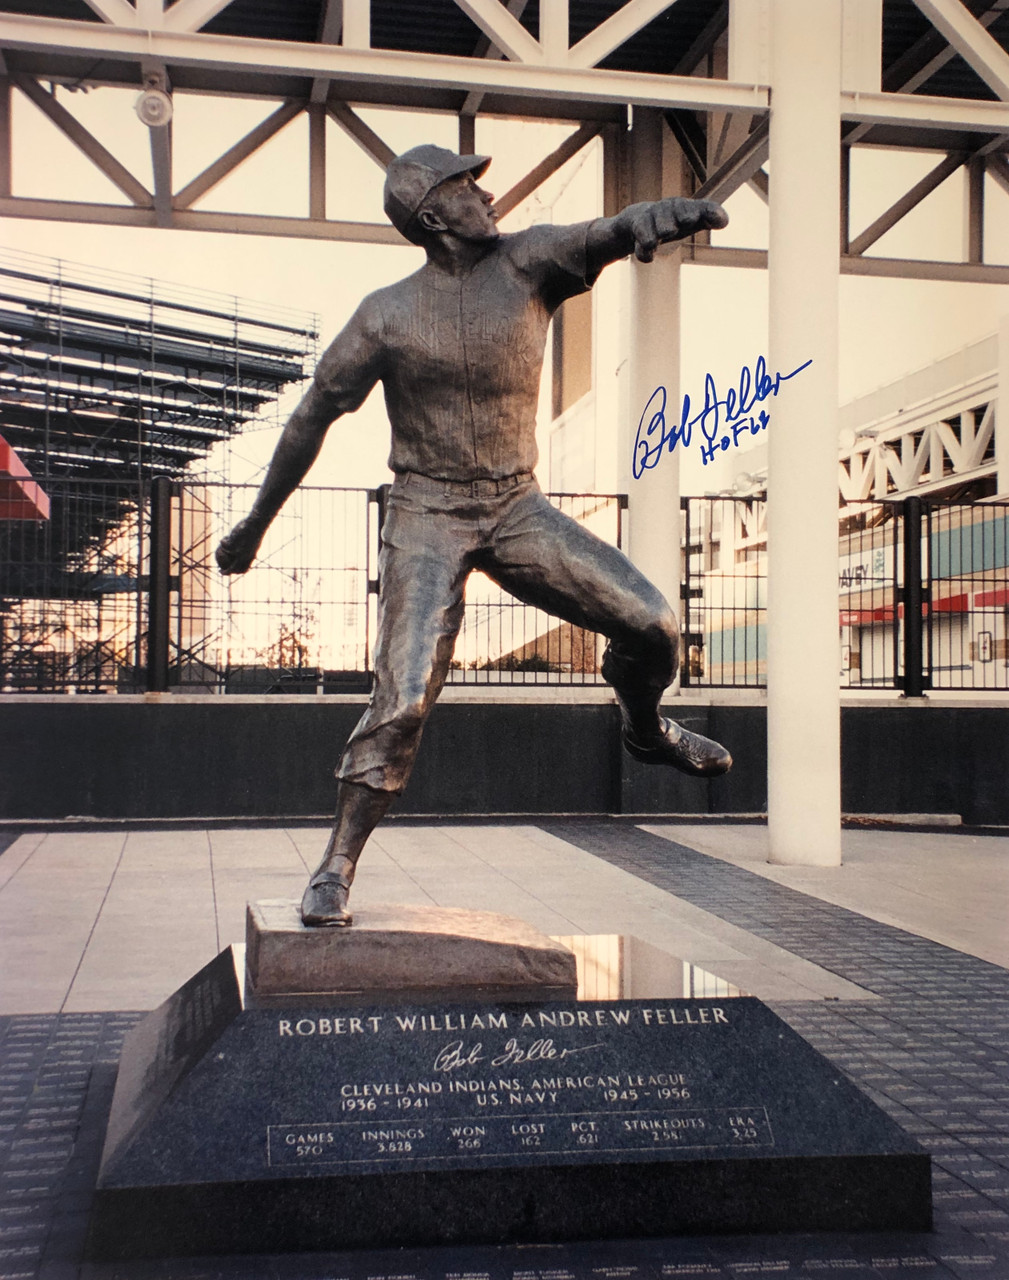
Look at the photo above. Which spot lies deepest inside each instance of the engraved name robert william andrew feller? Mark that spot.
(693, 1016)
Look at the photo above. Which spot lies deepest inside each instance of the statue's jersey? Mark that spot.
(459, 357)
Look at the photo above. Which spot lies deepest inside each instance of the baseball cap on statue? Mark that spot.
(411, 177)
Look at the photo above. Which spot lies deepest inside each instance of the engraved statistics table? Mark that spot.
(659, 1101)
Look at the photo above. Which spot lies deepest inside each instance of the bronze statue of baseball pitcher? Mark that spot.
(458, 347)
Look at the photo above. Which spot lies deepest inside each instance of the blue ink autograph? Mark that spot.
(723, 422)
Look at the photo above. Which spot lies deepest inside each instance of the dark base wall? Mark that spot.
(274, 758)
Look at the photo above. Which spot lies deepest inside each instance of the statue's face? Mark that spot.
(464, 208)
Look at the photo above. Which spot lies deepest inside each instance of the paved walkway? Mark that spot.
(895, 966)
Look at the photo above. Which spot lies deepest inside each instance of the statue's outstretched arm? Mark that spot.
(641, 228)
(297, 448)
(346, 373)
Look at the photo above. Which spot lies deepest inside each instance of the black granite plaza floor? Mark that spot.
(932, 1049)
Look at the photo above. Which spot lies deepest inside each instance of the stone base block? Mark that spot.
(402, 953)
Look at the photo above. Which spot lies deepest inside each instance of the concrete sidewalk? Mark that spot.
(110, 920)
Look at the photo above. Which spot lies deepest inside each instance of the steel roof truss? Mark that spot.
(258, 56)
(910, 200)
(616, 30)
(485, 48)
(236, 155)
(971, 41)
(739, 167)
(6, 138)
(504, 29)
(253, 224)
(330, 32)
(918, 64)
(191, 15)
(161, 164)
(549, 165)
(998, 167)
(116, 12)
(365, 137)
(99, 155)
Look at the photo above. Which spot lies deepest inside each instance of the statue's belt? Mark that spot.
(466, 488)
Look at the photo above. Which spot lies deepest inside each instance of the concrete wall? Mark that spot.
(273, 757)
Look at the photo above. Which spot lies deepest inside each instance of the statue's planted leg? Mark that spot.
(422, 568)
(359, 810)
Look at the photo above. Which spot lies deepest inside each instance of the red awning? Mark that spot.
(20, 497)
(991, 599)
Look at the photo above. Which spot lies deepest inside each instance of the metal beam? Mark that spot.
(917, 269)
(739, 167)
(705, 41)
(154, 75)
(253, 56)
(330, 31)
(692, 139)
(998, 167)
(117, 12)
(192, 15)
(916, 110)
(917, 65)
(99, 156)
(971, 41)
(615, 31)
(554, 32)
(506, 31)
(974, 211)
(5, 137)
(151, 13)
(366, 138)
(894, 268)
(161, 164)
(908, 201)
(568, 148)
(485, 48)
(316, 161)
(356, 24)
(234, 156)
(467, 132)
(199, 220)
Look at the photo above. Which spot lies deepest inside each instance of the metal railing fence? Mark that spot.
(119, 592)
(923, 595)
(71, 591)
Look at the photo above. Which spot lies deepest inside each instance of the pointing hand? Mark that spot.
(658, 222)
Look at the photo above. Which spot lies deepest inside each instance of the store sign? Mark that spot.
(862, 569)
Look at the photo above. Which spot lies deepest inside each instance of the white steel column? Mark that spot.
(1002, 411)
(654, 361)
(803, 712)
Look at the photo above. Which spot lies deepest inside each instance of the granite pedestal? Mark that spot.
(240, 1129)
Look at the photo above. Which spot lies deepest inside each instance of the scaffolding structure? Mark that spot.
(106, 381)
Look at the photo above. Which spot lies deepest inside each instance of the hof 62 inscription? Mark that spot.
(463, 1087)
